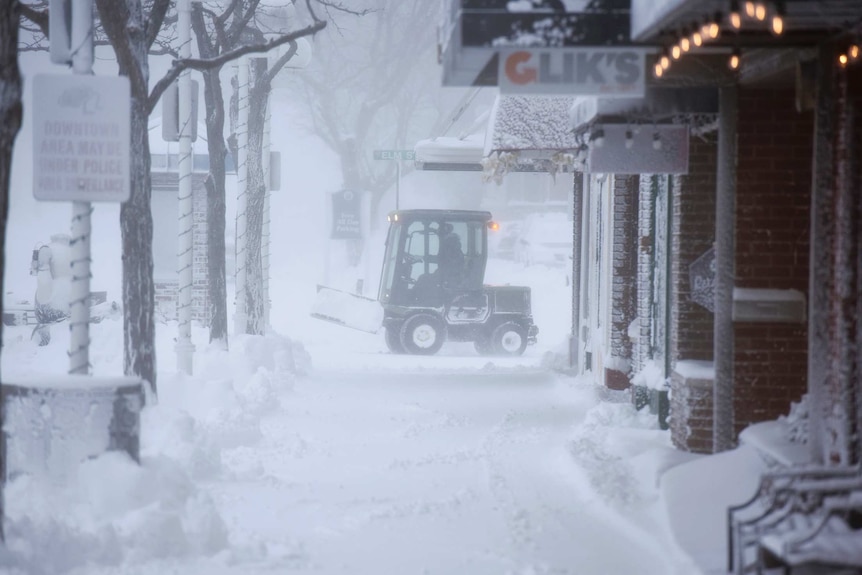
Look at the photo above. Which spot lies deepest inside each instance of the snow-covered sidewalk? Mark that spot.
(367, 463)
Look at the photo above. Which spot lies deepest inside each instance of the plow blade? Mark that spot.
(348, 309)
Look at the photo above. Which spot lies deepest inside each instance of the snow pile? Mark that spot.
(607, 445)
(110, 513)
(797, 420)
(651, 376)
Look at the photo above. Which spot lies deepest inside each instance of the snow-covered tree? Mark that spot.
(374, 84)
(132, 27)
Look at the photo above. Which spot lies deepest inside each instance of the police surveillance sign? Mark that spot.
(592, 71)
(81, 137)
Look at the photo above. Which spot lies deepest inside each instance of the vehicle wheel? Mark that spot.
(423, 334)
(392, 334)
(509, 338)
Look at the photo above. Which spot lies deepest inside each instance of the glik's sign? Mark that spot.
(593, 71)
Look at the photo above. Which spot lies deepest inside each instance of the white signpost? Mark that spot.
(398, 156)
(81, 135)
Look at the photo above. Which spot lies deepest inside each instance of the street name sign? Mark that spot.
(405, 155)
(81, 135)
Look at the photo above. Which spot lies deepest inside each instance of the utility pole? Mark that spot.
(79, 321)
(184, 347)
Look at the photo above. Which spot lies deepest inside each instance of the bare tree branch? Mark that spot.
(38, 17)
(156, 20)
(204, 64)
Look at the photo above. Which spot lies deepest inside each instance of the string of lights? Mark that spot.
(739, 17)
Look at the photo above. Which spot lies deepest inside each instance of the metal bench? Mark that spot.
(786, 501)
(834, 540)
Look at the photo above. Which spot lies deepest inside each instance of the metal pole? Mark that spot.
(397, 182)
(821, 268)
(725, 254)
(79, 321)
(184, 347)
(240, 322)
(265, 239)
(577, 216)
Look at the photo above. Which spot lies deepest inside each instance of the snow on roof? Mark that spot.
(521, 123)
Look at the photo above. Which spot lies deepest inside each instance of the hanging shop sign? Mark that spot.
(638, 149)
(474, 32)
(81, 135)
(593, 71)
(346, 215)
(701, 278)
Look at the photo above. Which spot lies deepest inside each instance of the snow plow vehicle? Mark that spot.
(432, 289)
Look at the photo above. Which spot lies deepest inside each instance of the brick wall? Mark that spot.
(691, 330)
(772, 243)
(692, 234)
(166, 296)
(623, 279)
(691, 413)
(641, 346)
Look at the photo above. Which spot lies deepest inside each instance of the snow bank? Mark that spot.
(697, 495)
(606, 445)
(109, 514)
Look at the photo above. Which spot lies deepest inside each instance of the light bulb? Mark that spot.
(777, 25)
(854, 52)
(658, 70)
(714, 30)
(676, 52)
(734, 61)
(697, 38)
(664, 62)
(760, 11)
(749, 9)
(842, 59)
(685, 44)
(735, 16)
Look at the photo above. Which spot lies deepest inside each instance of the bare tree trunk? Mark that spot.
(124, 24)
(215, 186)
(10, 123)
(258, 98)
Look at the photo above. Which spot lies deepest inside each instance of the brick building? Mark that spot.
(165, 186)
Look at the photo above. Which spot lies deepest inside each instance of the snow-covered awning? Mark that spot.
(451, 154)
(530, 124)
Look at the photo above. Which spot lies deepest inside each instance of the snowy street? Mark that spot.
(370, 463)
(431, 473)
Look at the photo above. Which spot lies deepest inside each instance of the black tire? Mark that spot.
(392, 334)
(509, 338)
(423, 334)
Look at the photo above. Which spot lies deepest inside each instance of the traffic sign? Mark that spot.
(404, 155)
(81, 135)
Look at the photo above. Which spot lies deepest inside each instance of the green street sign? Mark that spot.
(408, 155)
